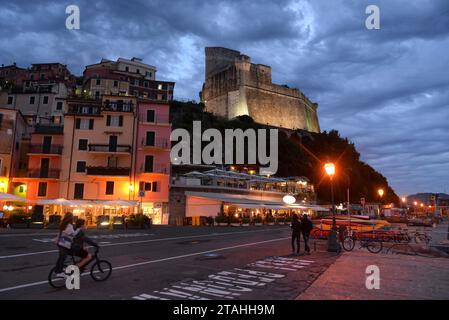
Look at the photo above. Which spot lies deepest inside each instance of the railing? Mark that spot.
(49, 129)
(158, 143)
(164, 169)
(84, 109)
(43, 149)
(108, 148)
(119, 106)
(43, 174)
(108, 171)
(157, 119)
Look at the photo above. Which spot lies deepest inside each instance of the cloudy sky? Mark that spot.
(386, 90)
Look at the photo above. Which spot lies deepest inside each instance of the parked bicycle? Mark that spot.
(100, 271)
(370, 242)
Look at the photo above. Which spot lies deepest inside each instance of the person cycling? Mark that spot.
(64, 242)
(78, 248)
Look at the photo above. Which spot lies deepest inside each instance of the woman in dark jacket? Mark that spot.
(296, 233)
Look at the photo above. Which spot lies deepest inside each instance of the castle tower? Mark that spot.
(235, 86)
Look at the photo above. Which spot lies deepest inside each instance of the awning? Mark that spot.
(117, 203)
(10, 197)
(259, 206)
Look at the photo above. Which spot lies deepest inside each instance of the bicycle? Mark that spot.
(372, 244)
(100, 271)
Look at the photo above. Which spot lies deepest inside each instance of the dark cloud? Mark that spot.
(387, 90)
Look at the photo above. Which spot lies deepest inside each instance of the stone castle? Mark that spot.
(234, 86)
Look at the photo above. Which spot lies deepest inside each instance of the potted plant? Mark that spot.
(54, 221)
(103, 222)
(269, 220)
(235, 221)
(37, 221)
(118, 223)
(246, 221)
(221, 221)
(258, 220)
(280, 221)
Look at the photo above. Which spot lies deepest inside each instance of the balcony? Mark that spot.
(107, 148)
(44, 149)
(162, 169)
(42, 174)
(158, 120)
(119, 106)
(84, 109)
(49, 129)
(108, 171)
(157, 144)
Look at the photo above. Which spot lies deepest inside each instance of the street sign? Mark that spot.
(142, 193)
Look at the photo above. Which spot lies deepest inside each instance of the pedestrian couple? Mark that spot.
(300, 227)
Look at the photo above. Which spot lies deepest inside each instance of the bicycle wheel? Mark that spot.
(101, 270)
(348, 243)
(55, 281)
(374, 246)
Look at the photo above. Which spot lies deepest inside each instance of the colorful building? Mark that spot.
(13, 144)
(152, 169)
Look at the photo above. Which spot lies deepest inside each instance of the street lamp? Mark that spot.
(332, 244)
(381, 193)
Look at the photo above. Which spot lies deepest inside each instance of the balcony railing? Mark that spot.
(158, 143)
(108, 171)
(157, 119)
(42, 174)
(84, 109)
(49, 129)
(119, 106)
(43, 149)
(164, 169)
(121, 148)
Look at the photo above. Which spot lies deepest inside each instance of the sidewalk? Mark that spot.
(402, 277)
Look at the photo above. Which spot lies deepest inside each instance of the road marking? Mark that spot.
(156, 261)
(137, 242)
(228, 285)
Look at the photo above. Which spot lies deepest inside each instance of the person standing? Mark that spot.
(306, 228)
(296, 233)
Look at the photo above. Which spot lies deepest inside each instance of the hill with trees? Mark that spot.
(303, 153)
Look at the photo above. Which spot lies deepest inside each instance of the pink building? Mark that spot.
(152, 168)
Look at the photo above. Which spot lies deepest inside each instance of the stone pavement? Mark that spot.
(401, 277)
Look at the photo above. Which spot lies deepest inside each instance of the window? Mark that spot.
(150, 138)
(10, 100)
(109, 187)
(79, 191)
(84, 124)
(150, 115)
(98, 82)
(159, 86)
(147, 186)
(149, 163)
(136, 82)
(154, 187)
(114, 121)
(21, 188)
(42, 76)
(116, 83)
(32, 99)
(127, 69)
(137, 70)
(42, 189)
(59, 105)
(144, 186)
(81, 166)
(136, 93)
(45, 101)
(82, 144)
(145, 84)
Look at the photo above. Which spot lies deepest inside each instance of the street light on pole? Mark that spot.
(381, 193)
(332, 244)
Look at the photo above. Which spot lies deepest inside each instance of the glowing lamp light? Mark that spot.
(5, 207)
(30, 207)
(415, 203)
(10, 208)
(131, 187)
(404, 200)
(289, 199)
(104, 223)
(422, 205)
(381, 192)
(330, 169)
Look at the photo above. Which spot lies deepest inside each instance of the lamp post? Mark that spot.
(381, 194)
(332, 243)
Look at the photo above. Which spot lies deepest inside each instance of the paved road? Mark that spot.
(168, 263)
